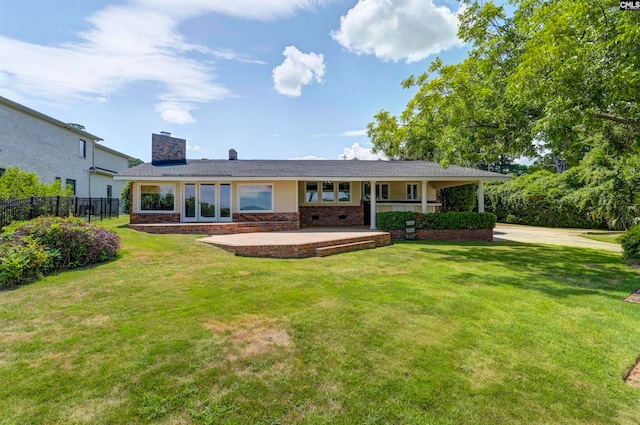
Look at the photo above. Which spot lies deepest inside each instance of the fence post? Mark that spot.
(57, 206)
(89, 212)
(31, 207)
(101, 209)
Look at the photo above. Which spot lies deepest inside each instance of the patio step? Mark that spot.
(346, 247)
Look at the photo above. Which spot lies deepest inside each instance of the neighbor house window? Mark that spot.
(82, 149)
(311, 194)
(72, 185)
(159, 197)
(344, 192)
(2, 170)
(382, 191)
(109, 191)
(412, 191)
(256, 197)
(327, 192)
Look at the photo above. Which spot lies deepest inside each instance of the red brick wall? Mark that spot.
(215, 228)
(256, 217)
(137, 218)
(338, 215)
(448, 235)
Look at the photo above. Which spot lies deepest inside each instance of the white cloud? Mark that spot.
(191, 147)
(309, 157)
(138, 41)
(175, 112)
(354, 133)
(359, 152)
(298, 69)
(395, 30)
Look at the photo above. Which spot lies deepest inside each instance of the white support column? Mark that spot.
(480, 196)
(372, 196)
(424, 197)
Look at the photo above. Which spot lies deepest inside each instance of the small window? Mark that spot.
(2, 170)
(344, 192)
(72, 184)
(157, 197)
(58, 179)
(109, 191)
(412, 192)
(256, 197)
(311, 192)
(82, 149)
(327, 192)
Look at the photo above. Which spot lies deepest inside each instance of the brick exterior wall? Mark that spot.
(137, 218)
(257, 217)
(484, 235)
(168, 150)
(215, 228)
(338, 215)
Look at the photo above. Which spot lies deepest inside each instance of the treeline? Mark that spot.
(603, 191)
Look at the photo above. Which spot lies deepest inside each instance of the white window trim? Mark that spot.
(321, 197)
(374, 190)
(273, 197)
(417, 198)
(175, 199)
(338, 192)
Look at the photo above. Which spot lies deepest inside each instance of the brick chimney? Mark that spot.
(233, 155)
(167, 150)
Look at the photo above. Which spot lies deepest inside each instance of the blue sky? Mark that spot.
(274, 79)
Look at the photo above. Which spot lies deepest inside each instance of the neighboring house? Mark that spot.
(172, 189)
(54, 150)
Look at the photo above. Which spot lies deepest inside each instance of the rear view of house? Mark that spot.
(284, 193)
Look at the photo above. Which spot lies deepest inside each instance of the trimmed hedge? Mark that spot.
(630, 242)
(47, 244)
(395, 220)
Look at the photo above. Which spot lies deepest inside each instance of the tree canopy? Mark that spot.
(17, 184)
(550, 79)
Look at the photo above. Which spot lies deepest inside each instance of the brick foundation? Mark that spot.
(338, 215)
(258, 217)
(482, 235)
(215, 228)
(137, 218)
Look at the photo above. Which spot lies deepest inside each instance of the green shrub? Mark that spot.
(71, 241)
(458, 198)
(630, 242)
(23, 262)
(395, 220)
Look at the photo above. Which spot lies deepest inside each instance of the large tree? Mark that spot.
(547, 79)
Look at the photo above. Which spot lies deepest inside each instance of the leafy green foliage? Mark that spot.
(17, 184)
(547, 77)
(125, 195)
(602, 191)
(23, 262)
(630, 242)
(458, 198)
(72, 242)
(395, 220)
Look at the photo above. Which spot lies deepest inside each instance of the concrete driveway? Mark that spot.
(551, 236)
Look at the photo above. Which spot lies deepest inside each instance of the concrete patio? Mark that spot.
(300, 243)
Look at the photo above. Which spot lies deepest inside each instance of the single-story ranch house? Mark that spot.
(283, 194)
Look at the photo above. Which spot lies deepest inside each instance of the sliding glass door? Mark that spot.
(207, 202)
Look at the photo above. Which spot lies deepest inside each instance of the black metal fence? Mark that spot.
(59, 206)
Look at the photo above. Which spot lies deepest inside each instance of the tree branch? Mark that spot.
(615, 118)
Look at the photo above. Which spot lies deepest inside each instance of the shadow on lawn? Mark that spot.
(557, 271)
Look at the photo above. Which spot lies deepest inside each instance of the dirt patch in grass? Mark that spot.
(252, 335)
(634, 298)
(633, 378)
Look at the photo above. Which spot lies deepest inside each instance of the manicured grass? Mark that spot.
(610, 238)
(176, 331)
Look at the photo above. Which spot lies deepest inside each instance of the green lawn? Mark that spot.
(610, 238)
(178, 332)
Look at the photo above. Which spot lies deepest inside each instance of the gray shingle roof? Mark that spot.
(327, 169)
